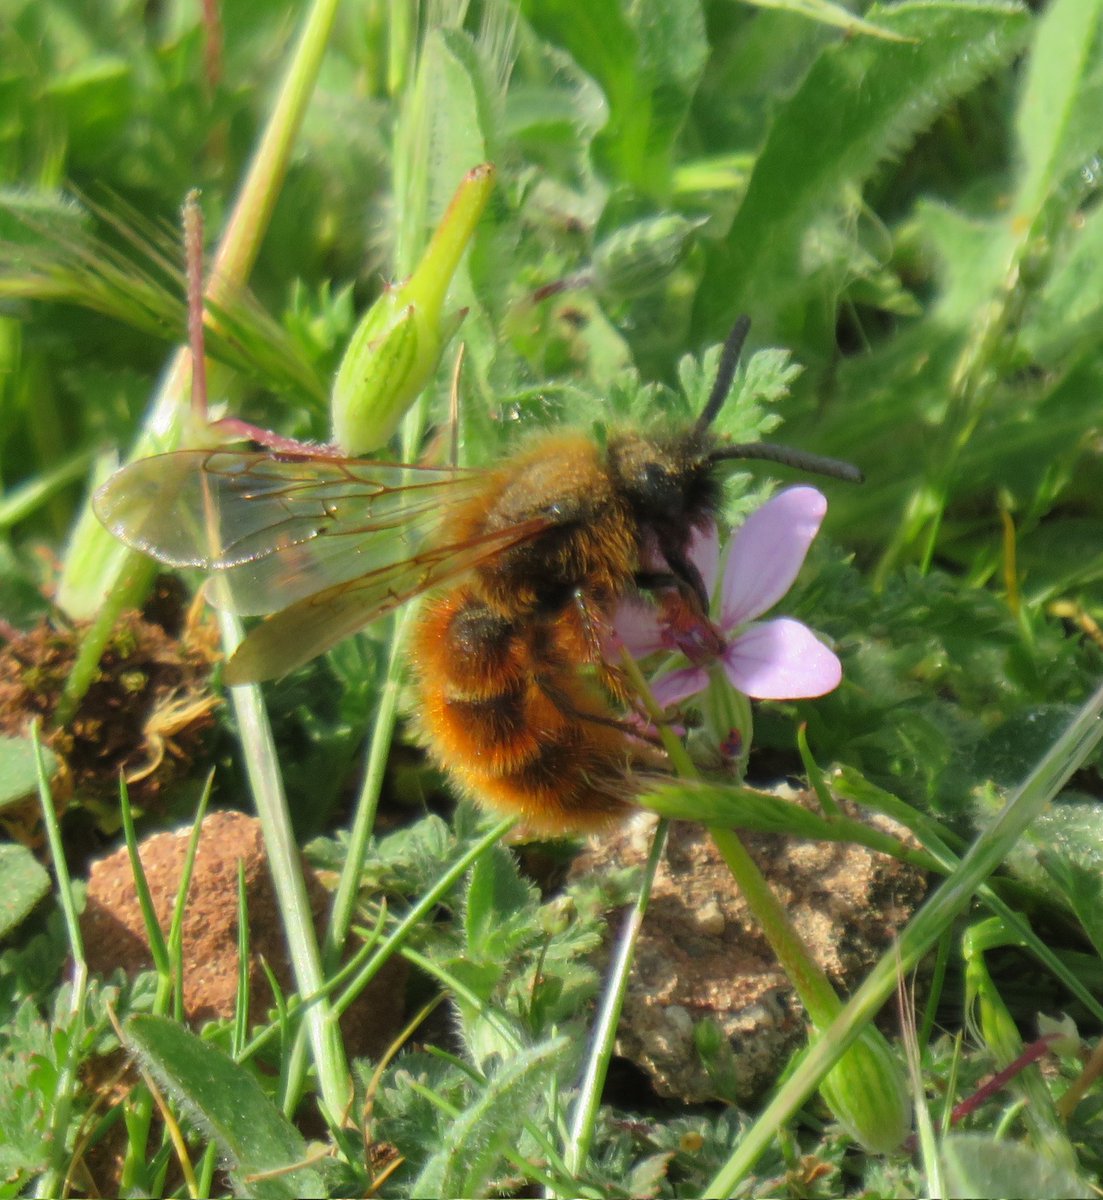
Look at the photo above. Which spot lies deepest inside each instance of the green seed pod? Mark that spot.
(378, 378)
(396, 347)
(868, 1093)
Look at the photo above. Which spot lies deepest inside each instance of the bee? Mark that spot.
(525, 563)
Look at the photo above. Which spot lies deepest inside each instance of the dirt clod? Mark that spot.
(701, 955)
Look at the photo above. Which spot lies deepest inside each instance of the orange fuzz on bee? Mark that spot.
(526, 562)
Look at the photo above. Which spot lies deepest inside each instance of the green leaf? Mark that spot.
(230, 1104)
(639, 257)
(861, 103)
(465, 1162)
(828, 14)
(1069, 310)
(734, 806)
(983, 1167)
(648, 58)
(1082, 887)
(89, 98)
(442, 136)
(18, 776)
(1059, 133)
(499, 908)
(1058, 118)
(970, 253)
(1007, 754)
(1069, 841)
(26, 1097)
(25, 883)
(29, 218)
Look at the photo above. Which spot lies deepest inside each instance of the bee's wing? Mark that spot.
(278, 529)
(306, 629)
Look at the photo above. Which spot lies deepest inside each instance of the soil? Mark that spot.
(701, 955)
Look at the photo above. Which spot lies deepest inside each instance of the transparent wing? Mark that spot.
(306, 629)
(276, 529)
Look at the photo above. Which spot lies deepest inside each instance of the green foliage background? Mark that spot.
(904, 199)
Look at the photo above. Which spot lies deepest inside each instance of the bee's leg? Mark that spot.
(683, 577)
(595, 629)
(568, 708)
(654, 581)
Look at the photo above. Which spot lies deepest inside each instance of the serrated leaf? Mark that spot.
(481, 978)
(18, 774)
(1007, 754)
(25, 1138)
(861, 103)
(743, 417)
(647, 1175)
(980, 1167)
(470, 1153)
(409, 859)
(498, 908)
(230, 1105)
(25, 883)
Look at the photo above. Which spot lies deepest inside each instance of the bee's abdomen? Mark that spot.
(513, 722)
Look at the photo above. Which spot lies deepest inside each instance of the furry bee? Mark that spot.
(526, 562)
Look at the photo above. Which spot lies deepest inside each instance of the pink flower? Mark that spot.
(779, 659)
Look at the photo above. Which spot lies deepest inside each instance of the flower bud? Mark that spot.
(396, 347)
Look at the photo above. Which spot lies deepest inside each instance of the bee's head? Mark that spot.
(666, 482)
(672, 482)
(671, 485)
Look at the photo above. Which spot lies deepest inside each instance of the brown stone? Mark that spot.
(114, 934)
(701, 954)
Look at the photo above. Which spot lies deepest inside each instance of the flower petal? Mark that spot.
(767, 552)
(673, 687)
(781, 660)
(636, 627)
(704, 553)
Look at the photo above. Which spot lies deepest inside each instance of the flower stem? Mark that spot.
(811, 984)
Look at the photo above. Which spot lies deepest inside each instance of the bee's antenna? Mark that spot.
(815, 464)
(729, 360)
